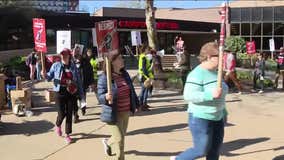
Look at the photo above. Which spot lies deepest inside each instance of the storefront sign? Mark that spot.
(107, 37)
(39, 35)
(136, 38)
(63, 40)
(250, 47)
(142, 24)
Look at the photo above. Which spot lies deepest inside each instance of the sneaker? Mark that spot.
(107, 148)
(83, 109)
(68, 139)
(261, 91)
(239, 93)
(173, 158)
(253, 90)
(58, 131)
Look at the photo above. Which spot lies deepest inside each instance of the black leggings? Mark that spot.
(65, 103)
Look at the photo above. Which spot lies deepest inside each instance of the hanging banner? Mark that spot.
(271, 45)
(250, 45)
(63, 40)
(107, 37)
(136, 38)
(39, 35)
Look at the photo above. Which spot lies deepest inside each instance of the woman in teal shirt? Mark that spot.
(206, 107)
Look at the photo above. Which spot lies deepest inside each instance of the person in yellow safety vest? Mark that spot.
(95, 65)
(145, 76)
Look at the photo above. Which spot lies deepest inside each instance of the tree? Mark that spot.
(151, 24)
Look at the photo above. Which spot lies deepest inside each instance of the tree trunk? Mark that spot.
(151, 24)
(153, 43)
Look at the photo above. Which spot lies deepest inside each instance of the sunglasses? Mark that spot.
(215, 55)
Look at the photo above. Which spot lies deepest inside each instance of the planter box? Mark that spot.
(50, 96)
(21, 97)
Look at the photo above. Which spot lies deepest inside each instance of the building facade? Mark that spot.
(258, 21)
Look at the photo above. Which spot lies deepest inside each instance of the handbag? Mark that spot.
(72, 88)
(108, 114)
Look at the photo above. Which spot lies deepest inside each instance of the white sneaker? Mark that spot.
(261, 91)
(239, 93)
(173, 158)
(107, 148)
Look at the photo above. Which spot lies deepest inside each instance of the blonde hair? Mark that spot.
(208, 49)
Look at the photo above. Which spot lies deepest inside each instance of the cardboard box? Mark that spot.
(50, 96)
(22, 96)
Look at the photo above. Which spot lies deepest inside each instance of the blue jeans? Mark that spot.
(207, 139)
(38, 70)
(143, 94)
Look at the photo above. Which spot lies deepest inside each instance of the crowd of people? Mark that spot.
(77, 73)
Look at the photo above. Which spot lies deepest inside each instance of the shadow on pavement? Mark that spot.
(90, 119)
(159, 154)
(281, 157)
(228, 147)
(164, 109)
(163, 100)
(87, 136)
(37, 111)
(26, 128)
(162, 129)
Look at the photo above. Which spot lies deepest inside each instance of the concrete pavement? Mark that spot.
(254, 131)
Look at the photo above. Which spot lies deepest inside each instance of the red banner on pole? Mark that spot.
(107, 37)
(250, 47)
(39, 34)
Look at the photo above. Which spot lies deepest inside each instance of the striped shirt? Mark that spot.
(123, 94)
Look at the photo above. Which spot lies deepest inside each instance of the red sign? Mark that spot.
(39, 34)
(107, 37)
(141, 24)
(250, 47)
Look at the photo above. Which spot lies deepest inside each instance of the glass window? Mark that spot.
(257, 41)
(235, 15)
(245, 29)
(266, 43)
(267, 14)
(267, 28)
(256, 29)
(256, 14)
(279, 29)
(278, 41)
(279, 13)
(246, 14)
(235, 29)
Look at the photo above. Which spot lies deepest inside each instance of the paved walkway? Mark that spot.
(254, 132)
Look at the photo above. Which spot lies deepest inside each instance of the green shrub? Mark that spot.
(244, 75)
(267, 83)
(270, 65)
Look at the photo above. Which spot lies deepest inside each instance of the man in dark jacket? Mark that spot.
(86, 74)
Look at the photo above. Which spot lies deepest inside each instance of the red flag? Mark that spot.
(250, 47)
(107, 37)
(39, 35)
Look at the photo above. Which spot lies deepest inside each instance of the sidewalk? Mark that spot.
(254, 131)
